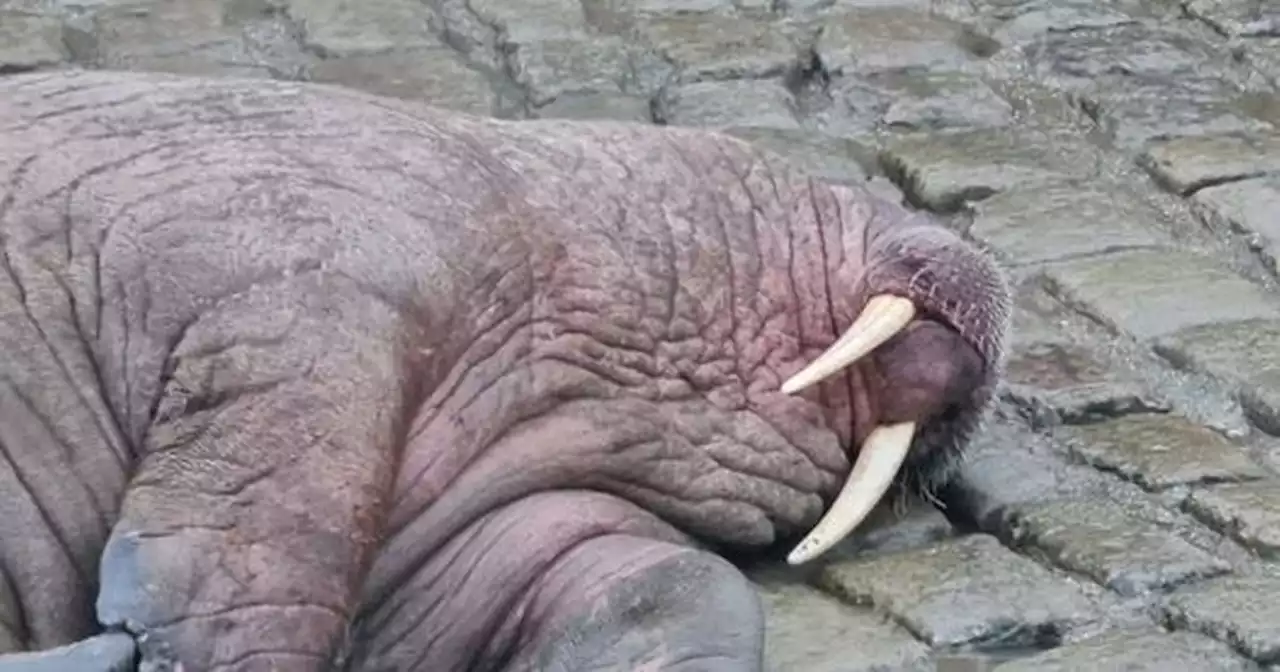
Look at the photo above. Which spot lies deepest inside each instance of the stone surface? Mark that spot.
(1237, 18)
(1063, 220)
(1146, 650)
(1243, 611)
(1119, 551)
(1159, 451)
(803, 623)
(722, 47)
(748, 103)
(876, 39)
(1245, 353)
(943, 172)
(1188, 163)
(1249, 512)
(962, 591)
(1247, 207)
(1150, 293)
(436, 76)
(29, 41)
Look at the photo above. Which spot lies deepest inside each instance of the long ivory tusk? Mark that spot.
(879, 460)
(883, 316)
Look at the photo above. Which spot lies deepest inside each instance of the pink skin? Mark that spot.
(340, 379)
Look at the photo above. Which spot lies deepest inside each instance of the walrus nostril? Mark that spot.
(111, 652)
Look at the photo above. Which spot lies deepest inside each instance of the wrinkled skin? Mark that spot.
(298, 377)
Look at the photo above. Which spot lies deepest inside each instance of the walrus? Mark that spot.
(302, 378)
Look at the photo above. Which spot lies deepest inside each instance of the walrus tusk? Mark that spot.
(879, 460)
(883, 316)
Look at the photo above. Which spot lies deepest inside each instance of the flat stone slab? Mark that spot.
(1248, 512)
(1246, 353)
(963, 591)
(942, 172)
(873, 39)
(29, 40)
(435, 75)
(1063, 220)
(1096, 538)
(1248, 207)
(1153, 293)
(1186, 164)
(807, 630)
(1136, 651)
(1158, 451)
(1242, 611)
(744, 103)
(724, 47)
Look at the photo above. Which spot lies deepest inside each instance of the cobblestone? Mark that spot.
(1160, 451)
(1119, 551)
(803, 643)
(1189, 163)
(1149, 293)
(1148, 650)
(1246, 353)
(1242, 611)
(1249, 512)
(1122, 158)
(964, 591)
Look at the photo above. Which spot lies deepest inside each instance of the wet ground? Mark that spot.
(1123, 159)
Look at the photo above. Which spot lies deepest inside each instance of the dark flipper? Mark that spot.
(114, 652)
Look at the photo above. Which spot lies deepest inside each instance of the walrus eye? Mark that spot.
(883, 317)
(885, 449)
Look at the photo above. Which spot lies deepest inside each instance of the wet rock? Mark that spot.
(340, 28)
(1247, 207)
(967, 590)
(104, 653)
(525, 21)
(1153, 293)
(807, 630)
(1008, 465)
(877, 39)
(1097, 539)
(1099, 59)
(1054, 379)
(943, 172)
(839, 160)
(1242, 611)
(1033, 20)
(1137, 111)
(938, 101)
(1144, 650)
(548, 69)
(598, 106)
(1249, 512)
(1184, 165)
(733, 104)
(1246, 353)
(1065, 219)
(202, 37)
(1237, 18)
(29, 41)
(1161, 451)
(436, 76)
(722, 47)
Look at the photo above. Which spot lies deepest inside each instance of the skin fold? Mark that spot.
(299, 378)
